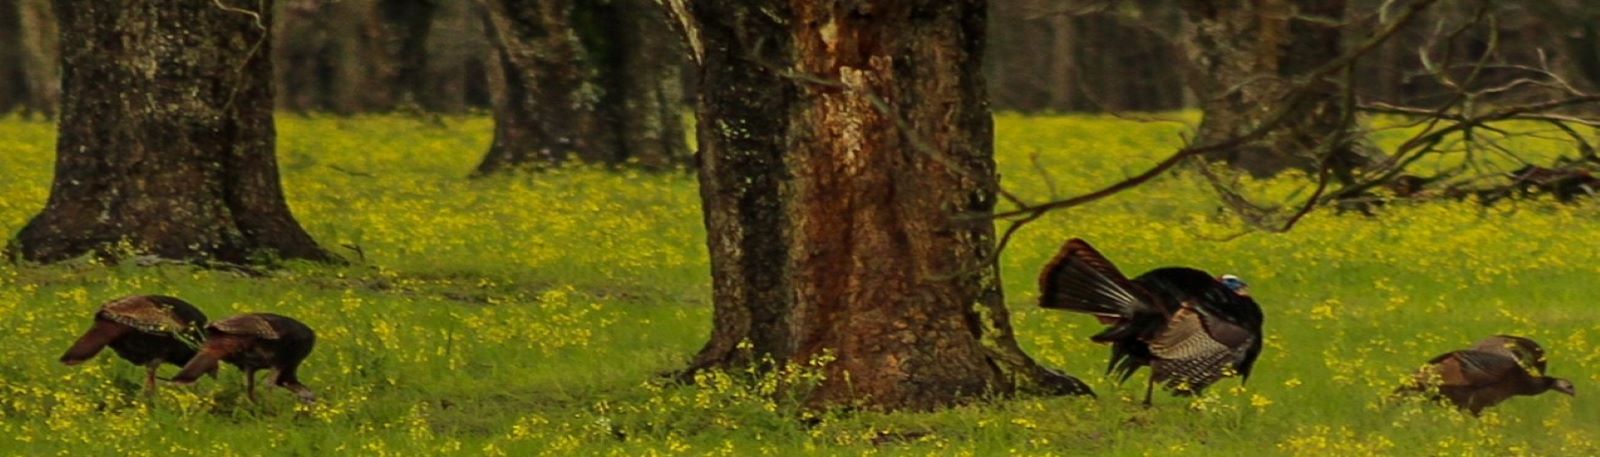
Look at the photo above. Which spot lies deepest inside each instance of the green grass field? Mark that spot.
(530, 315)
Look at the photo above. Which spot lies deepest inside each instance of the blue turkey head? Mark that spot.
(1237, 285)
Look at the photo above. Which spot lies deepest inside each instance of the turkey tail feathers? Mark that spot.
(1081, 279)
(92, 341)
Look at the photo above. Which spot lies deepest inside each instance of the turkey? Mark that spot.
(147, 330)
(1527, 352)
(1494, 370)
(253, 342)
(1190, 327)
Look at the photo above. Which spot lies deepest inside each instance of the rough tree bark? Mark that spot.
(166, 140)
(840, 144)
(1242, 59)
(598, 80)
(28, 76)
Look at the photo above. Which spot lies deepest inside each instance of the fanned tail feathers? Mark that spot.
(92, 341)
(1080, 279)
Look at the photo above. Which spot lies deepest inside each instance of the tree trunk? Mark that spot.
(598, 80)
(1018, 79)
(28, 77)
(166, 140)
(1054, 55)
(1063, 63)
(841, 144)
(12, 88)
(406, 24)
(353, 56)
(547, 109)
(645, 84)
(1243, 58)
(458, 59)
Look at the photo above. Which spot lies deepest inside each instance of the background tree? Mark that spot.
(457, 64)
(595, 79)
(353, 56)
(165, 142)
(27, 57)
(842, 145)
(1243, 59)
(1050, 55)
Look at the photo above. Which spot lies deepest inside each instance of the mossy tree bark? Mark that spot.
(842, 143)
(591, 79)
(166, 140)
(1243, 58)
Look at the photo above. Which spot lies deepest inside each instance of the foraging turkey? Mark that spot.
(253, 342)
(1190, 327)
(147, 330)
(1494, 370)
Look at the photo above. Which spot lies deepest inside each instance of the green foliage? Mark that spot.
(531, 315)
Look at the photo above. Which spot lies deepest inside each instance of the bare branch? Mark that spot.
(1298, 92)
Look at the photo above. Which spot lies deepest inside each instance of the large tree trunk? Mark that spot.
(28, 77)
(1243, 58)
(842, 144)
(166, 140)
(597, 80)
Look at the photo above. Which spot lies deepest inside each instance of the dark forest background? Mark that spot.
(434, 56)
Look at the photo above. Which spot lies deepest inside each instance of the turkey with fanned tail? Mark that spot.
(1190, 327)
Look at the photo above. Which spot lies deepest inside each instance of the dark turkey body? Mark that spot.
(1176, 288)
(283, 354)
(143, 348)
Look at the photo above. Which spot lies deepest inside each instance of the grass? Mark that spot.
(528, 315)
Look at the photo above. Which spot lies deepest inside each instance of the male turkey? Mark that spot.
(253, 342)
(1190, 327)
(1496, 369)
(147, 330)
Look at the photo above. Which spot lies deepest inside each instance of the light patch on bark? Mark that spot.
(830, 35)
(848, 109)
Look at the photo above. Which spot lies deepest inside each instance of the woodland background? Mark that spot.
(364, 56)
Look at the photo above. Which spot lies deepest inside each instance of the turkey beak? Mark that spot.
(1567, 389)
